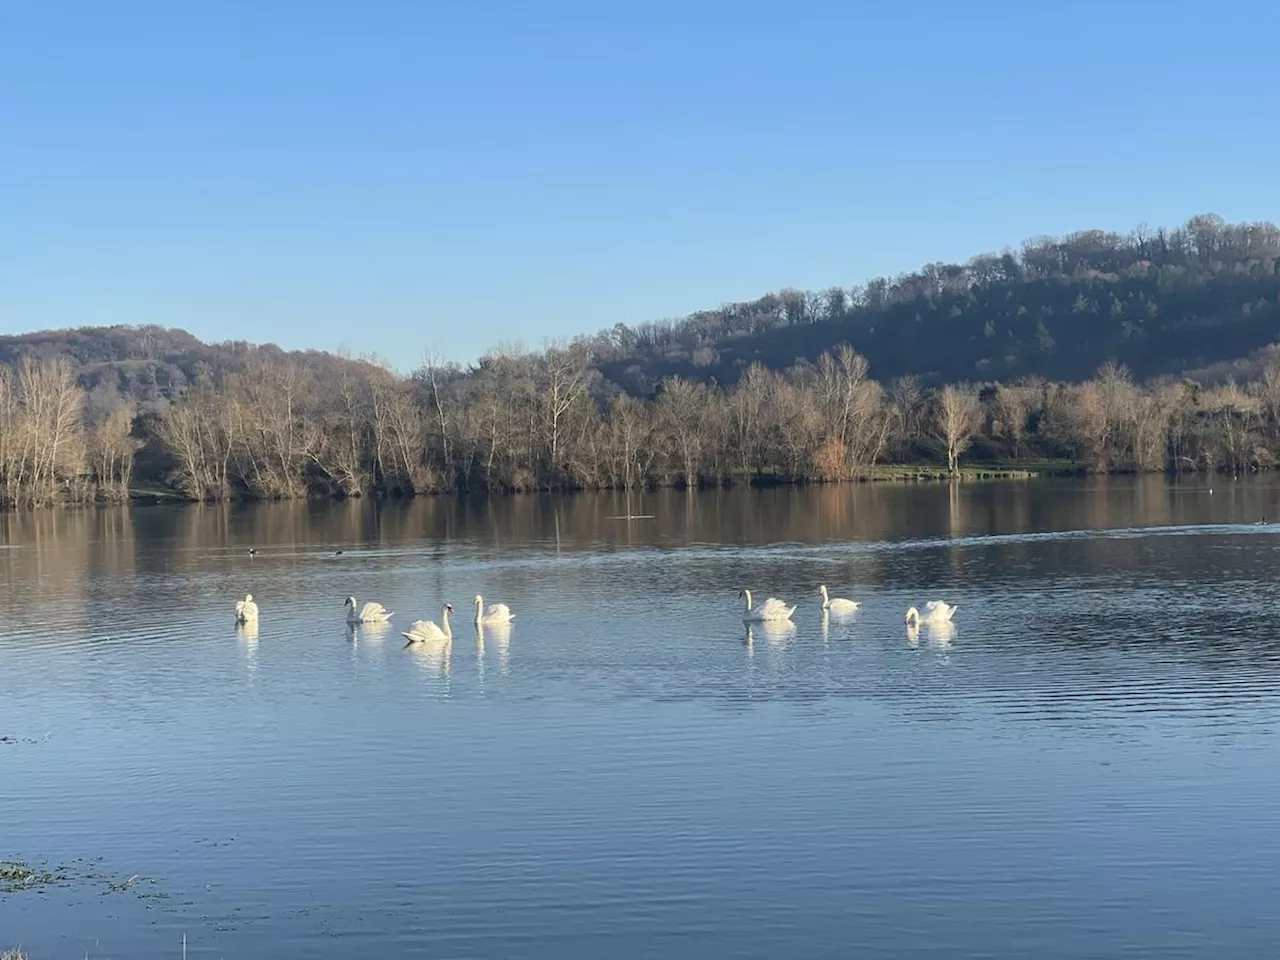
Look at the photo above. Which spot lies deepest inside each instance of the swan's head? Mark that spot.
(350, 602)
(479, 600)
(913, 615)
(823, 590)
(448, 608)
(248, 598)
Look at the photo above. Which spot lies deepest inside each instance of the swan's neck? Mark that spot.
(444, 619)
(746, 599)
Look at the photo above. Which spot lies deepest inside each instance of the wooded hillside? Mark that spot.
(1148, 351)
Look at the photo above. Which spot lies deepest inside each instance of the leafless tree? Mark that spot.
(957, 416)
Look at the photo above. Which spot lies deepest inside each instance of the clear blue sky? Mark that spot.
(392, 174)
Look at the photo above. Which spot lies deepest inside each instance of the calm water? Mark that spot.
(1086, 767)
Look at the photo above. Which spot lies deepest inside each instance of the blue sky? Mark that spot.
(393, 175)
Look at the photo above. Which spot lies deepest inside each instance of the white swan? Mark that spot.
(935, 612)
(425, 630)
(246, 610)
(837, 605)
(494, 613)
(370, 613)
(771, 609)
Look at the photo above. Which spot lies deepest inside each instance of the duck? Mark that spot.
(424, 631)
(935, 612)
(838, 605)
(370, 613)
(494, 613)
(771, 609)
(246, 610)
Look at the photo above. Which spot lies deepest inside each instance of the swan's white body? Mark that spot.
(772, 609)
(494, 613)
(838, 606)
(371, 612)
(425, 630)
(246, 610)
(935, 612)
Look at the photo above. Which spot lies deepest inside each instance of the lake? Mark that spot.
(1085, 766)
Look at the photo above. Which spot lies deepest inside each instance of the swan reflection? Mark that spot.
(941, 634)
(371, 631)
(435, 657)
(938, 634)
(371, 636)
(843, 626)
(247, 634)
(500, 635)
(776, 632)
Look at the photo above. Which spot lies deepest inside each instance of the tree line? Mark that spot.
(1143, 351)
(524, 421)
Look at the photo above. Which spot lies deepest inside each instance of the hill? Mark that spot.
(147, 366)
(1159, 302)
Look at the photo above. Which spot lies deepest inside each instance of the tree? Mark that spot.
(957, 416)
(564, 386)
(682, 409)
(1010, 408)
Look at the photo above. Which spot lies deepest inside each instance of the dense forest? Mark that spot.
(1140, 352)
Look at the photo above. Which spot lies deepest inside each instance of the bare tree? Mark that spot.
(111, 450)
(681, 412)
(1010, 408)
(564, 386)
(957, 416)
(434, 374)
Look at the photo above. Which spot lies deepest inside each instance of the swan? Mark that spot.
(370, 613)
(246, 610)
(425, 630)
(494, 613)
(837, 605)
(771, 609)
(935, 612)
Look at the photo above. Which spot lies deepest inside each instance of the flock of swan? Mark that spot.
(773, 610)
(422, 631)
(936, 613)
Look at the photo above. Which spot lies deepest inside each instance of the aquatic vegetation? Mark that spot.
(15, 875)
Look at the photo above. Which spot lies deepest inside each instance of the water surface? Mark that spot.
(1084, 767)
